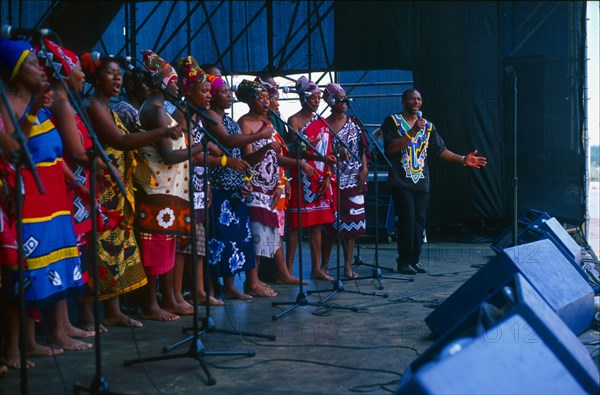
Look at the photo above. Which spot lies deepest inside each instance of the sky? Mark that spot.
(593, 34)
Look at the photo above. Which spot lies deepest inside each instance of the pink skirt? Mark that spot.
(158, 253)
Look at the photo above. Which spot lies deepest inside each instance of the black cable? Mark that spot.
(294, 360)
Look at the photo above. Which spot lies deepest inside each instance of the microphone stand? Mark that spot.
(376, 274)
(23, 158)
(197, 350)
(301, 298)
(338, 284)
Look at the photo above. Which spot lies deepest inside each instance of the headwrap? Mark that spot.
(191, 73)
(162, 72)
(55, 58)
(247, 90)
(306, 88)
(12, 55)
(215, 83)
(91, 64)
(332, 92)
(272, 89)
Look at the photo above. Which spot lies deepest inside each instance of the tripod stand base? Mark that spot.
(208, 326)
(197, 352)
(376, 275)
(339, 287)
(301, 300)
(99, 386)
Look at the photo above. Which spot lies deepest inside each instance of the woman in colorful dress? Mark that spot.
(196, 89)
(352, 177)
(163, 207)
(231, 250)
(268, 160)
(120, 267)
(316, 205)
(61, 64)
(52, 266)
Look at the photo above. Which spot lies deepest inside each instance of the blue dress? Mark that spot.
(230, 247)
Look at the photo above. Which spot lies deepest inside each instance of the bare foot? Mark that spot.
(3, 369)
(89, 327)
(15, 363)
(213, 301)
(121, 319)
(235, 294)
(158, 314)
(290, 280)
(349, 274)
(179, 308)
(320, 276)
(69, 343)
(74, 331)
(43, 351)
(260, 291)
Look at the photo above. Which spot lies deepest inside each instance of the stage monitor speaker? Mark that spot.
(513, 343)
(531, 217)
(543, 265)
(536, 225)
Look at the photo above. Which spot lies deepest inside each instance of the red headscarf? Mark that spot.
(191, 73)
(56, 59)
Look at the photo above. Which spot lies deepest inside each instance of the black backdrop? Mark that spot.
(457, 52)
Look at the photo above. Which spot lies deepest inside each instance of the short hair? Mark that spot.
(408, 92)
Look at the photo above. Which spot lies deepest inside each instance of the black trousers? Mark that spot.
(412, 209)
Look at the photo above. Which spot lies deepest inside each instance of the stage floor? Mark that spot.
(317, 349)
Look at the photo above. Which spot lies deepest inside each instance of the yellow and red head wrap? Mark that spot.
(191, 74)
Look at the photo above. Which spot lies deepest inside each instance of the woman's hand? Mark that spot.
(276, 197)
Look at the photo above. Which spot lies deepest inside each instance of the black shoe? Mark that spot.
(406, 269)
(418, 268)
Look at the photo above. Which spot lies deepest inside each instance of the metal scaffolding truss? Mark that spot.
(241, 37)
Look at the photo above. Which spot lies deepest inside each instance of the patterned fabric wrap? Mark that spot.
(128, 115)
(56, 61)
(12, 55)
(230, 247)
(247, 90)
(316, 208)
(82, 217)
(120, 267)
(161, 71)
(52, 266)
(191, 73)
(223, 177)
(271, 89)
(8, 226)
(352, 200)
(332, 92)
(264, 182)
(162, 197)
(198, 177)
(306, 88)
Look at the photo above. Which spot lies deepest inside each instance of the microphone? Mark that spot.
(11, 32)
(419, 114)
(96, 56)
(510, 71)
(287, 89)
